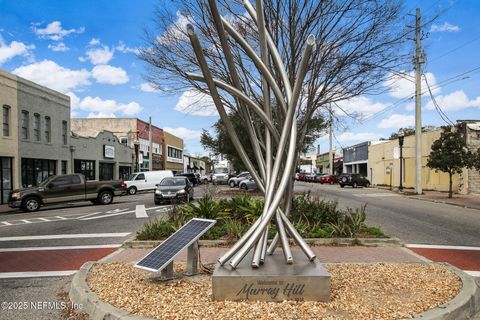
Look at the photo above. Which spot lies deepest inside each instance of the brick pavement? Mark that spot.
(48, 260)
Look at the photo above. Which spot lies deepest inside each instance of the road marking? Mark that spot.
(435, 246)
(116, 214)
(35, 274)
(108, 215)
(472, 273)
(66, 236)
(101, 246)
(26, 221)
(140, 211)
(88, 215)
(42, 219)
(61, 218)
(6, 223)
(117, 210)
(373, 195)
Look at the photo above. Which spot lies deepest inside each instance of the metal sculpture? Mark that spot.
(275, 172)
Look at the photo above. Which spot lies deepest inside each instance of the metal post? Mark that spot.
(418, 107)
(150, 153)
(400, 142)
(167, 272)
(192, 259)
(330, 133)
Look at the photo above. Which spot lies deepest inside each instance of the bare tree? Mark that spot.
(272, 77)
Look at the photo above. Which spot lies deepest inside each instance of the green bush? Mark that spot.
(156, 230)
(312, 217)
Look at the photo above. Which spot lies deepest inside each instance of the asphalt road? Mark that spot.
(412, 221)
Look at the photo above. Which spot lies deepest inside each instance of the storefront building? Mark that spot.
(173, 159)
(35, 139)
(355, 159)
(8, 135)
(131, 132)
(193, 165)
(102, 157)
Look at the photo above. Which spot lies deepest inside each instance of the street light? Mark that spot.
(400, 143)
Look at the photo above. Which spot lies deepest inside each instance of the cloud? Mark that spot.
(55, 32)
(54, 76)
(357, 136)
(148, 87)
(15, 48)
(184, 133)
(400, 87)
(360, 105)
(445, 27)
(454, 101)
(58, 47)
(101, 55)
(99, 106)
(101, 115)
(124, 49)
(196, 103)
(109, 74)
(94, 42)
(396, 121)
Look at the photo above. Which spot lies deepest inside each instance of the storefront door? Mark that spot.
(124, 172)
(6, 178)
(106, 171)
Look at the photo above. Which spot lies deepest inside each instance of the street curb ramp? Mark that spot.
(464, 306)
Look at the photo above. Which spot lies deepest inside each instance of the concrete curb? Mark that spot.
(443, 202)
(463, 306)
(96, 308)
(368, 242)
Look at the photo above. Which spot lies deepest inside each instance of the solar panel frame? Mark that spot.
(212, 223)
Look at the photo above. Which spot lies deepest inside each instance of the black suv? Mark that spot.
(353, 179)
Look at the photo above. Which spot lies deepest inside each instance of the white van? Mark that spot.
(147, 180)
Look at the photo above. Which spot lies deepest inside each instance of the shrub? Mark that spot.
(156, 230)
(206, 208)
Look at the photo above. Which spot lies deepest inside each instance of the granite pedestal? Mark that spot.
(274, 281)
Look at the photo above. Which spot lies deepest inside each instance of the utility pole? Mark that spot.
(150, 152)
(418, 105)
(330, 133)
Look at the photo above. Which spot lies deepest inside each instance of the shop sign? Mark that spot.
(109, 151)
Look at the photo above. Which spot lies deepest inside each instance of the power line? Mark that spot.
(455, 49)
(437, 107)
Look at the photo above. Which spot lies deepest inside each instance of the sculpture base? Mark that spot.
(274, 281)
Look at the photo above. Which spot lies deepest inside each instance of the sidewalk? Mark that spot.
(471, 201)
(325, 254)
(6, 209)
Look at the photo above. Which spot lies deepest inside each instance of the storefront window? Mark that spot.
(35, 171)
(5, 178)
(64, 167)
(85, 167)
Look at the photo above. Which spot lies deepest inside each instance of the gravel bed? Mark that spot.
(358, 291)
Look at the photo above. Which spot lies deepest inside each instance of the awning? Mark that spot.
(201, 168)
(195, 167)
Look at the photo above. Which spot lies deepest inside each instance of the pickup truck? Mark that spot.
(65, 188)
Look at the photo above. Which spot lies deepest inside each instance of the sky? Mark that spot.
(87, 50)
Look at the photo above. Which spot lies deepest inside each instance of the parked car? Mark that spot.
(353, 179)
(300, 176)
(146, 180)
(318, 176)
(233, 182)
(206, 178)
(190, 176)
(248, 184)
(331, 179)
(173, 188)
(310, 177)
(65, 188)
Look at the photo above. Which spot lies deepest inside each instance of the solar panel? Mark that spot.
(165, 252)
